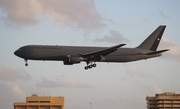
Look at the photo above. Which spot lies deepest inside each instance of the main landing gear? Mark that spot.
(26, 64)
(90, 65)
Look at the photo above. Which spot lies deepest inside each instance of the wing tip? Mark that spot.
(120, 45)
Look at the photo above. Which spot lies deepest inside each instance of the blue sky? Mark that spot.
(88, 23)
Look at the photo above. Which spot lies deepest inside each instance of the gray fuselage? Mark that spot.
(60, 53)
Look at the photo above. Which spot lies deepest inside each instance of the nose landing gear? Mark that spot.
(90, 65)
(26, 64)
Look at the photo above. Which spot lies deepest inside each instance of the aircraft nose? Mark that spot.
(18, 53)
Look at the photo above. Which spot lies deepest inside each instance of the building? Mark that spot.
(41, 102)
(167, 100)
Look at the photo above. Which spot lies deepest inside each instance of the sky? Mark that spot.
(88, 23)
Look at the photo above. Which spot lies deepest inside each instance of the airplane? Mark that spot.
(75, 54)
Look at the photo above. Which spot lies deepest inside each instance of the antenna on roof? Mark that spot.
(34, 94)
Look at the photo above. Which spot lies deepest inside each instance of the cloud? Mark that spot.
(174, 49)
(120, 100)
(157, 89)
(62, 81)
(115, 37)
(80, 13)
(148, 88)
(70, 82)
(19, 12)
(12, 74)
(76, 13)
(47, 83)
(10, 92)
(146, 20)
(134, 71)
(161, 14)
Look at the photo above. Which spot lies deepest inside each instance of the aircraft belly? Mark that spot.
(119, 58)
(125, 58)
(53, 58)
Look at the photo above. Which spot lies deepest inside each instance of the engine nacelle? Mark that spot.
(73, 59)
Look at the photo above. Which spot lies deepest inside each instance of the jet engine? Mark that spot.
(73, 59)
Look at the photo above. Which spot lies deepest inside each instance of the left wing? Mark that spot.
(99, 53)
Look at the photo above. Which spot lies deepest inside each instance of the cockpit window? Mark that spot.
(20, 49)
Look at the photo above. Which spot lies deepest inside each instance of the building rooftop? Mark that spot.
(39, 101)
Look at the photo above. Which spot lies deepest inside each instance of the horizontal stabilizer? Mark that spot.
(156, 52)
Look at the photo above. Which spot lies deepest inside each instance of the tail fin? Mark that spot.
(152, 42)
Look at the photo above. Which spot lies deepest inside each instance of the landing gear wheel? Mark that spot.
(94, 65)
(86, 67)
(90, 66)
(26, 64)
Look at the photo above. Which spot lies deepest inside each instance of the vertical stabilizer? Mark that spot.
(152, 42)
